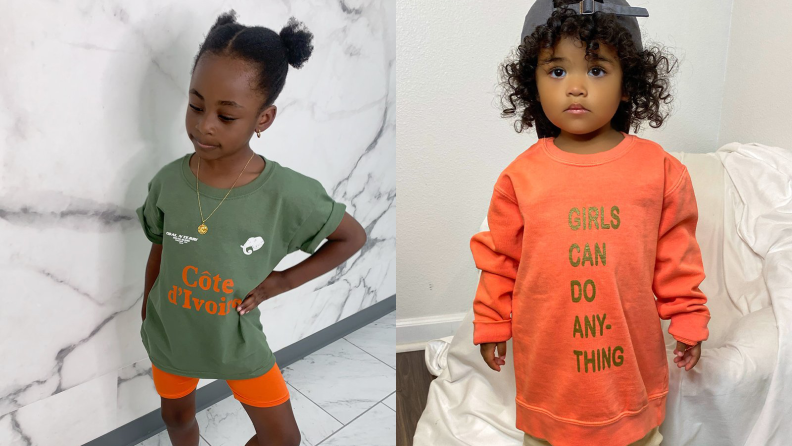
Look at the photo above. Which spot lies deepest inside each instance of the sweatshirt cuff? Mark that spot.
(685, 340)
(689, 328)
(491, 331)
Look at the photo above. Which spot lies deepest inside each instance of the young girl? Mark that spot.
(220, 220)
(586, 228)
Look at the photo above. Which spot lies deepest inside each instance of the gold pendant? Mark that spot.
(202, 229)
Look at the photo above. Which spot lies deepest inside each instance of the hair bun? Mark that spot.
(224, 19)
(296, 40)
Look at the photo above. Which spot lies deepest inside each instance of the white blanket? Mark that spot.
(740, 393)
(762, 210)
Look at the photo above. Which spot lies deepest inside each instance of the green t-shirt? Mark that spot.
(192, 327)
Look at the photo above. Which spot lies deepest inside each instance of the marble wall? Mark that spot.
(92, 103)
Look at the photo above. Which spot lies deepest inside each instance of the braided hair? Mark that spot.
(270, 53)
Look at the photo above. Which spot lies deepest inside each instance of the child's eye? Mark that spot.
(561, 69)
(554, 70)
(599, 69)
(224, 118)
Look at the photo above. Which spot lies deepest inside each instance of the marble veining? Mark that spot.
(92, 104)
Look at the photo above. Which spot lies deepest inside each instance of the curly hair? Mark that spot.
(269, 52)
(645, 73)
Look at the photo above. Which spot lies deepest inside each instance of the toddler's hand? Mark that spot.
(488, 353)
(687, 358)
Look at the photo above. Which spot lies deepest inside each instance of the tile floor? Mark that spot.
(359, 409)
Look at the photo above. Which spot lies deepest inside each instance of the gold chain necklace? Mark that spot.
(203, 228)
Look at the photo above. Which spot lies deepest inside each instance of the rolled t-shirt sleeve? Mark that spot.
(324, 217)
(150, 216)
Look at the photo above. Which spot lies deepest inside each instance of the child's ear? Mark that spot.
(267, 117)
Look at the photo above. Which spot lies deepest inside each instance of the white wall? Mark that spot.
(758, 94)
(452, 142)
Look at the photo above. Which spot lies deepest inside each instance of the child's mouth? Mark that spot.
(203, 146)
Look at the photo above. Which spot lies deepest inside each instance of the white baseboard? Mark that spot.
(413, 334)
(413, 347)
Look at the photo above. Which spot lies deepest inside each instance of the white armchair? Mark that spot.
(740, 392)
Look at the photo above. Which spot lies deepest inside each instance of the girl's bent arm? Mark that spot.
(345, 241)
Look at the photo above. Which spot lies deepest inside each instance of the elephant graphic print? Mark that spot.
(252, 244)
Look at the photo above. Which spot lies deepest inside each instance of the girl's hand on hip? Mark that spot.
(273, 285)
(687, 355)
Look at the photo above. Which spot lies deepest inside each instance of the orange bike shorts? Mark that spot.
(266, 390)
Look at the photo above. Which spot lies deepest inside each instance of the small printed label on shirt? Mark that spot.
(252, 244)
(182, 239)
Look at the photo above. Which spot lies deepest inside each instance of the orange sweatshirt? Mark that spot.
(578, 248)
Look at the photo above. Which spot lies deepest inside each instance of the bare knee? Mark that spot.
(179, 413)
(178, 420)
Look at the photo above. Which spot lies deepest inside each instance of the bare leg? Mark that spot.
(252, 442)
(184, 435)
(179, 417)
(275, 424)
